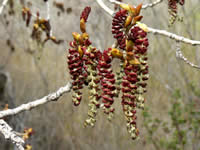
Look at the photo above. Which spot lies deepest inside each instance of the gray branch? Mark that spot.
(180, 56)
(155, 31)
(151, 4)
(9, 134)
(3, 5)
(26, 107)
(173, 36)
(143, 6)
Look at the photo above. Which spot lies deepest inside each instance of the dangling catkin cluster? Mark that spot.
(118, 28)
(172, 8)
(138, 37)
(75, 65)
(93, 68)
(107, 82)
(91, 60)
(135, 67)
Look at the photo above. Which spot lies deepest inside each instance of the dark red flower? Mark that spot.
(118, 29)
(85, 13)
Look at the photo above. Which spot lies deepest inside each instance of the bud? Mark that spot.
(128, 21)
(85, 36)
(82, 25)
(125, 6)
(138, 8)
(142, 26)
(129, 45)
(134, 61)
(116, 53)
(77, 37)
(80, 51)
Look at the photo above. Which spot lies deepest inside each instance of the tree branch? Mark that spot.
(180, 55)
(151, 4)
(3, 5)
(48, 10)
(9, 134)
(25, 107)
(173, 36)
(108, 10)
(156, 31)
(48, 14)
(143, 6)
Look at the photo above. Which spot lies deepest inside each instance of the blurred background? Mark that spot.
(29, 71)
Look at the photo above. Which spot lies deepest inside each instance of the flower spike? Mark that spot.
(93, 68)
(83, 18)
(173, 10)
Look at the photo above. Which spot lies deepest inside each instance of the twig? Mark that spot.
(143, 6)
(3, 5)
(48, 10)
(9, 134)
(25, 107)
(108, 10)
(156, 31)
(115, 2)
(179, 54)
(151, 4)
(173, 36)
(48, 14)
